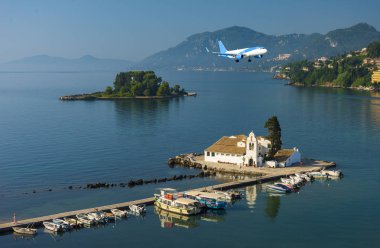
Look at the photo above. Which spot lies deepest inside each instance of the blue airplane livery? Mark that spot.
(238, 54)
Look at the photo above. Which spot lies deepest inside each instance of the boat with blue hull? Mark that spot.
(209, 200)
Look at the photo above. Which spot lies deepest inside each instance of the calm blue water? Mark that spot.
(48, 144)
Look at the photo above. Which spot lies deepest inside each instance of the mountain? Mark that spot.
(191, 53)
(50, 63)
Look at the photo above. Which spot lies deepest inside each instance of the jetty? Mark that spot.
(277, 174)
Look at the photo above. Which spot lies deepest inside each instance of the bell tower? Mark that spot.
(251, 150)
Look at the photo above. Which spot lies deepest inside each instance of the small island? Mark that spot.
(354, 70)
(134, 84)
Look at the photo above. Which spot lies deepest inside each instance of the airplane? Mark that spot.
(238, 54)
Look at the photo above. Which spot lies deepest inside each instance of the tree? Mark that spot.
(164, 89)
(374, 49)
(109, 90)
(274, 135)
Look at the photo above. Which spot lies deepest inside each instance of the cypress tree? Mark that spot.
(274, 135)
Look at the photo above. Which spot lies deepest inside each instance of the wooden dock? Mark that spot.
(7, 227)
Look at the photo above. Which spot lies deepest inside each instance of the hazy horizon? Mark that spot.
(133, 30)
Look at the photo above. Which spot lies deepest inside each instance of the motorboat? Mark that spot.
(209, 200)
(332, 173)
(25, 230)
(83, 219)
(119, 213)
(64, 224)
(51, 226)
(169, 200)
(318, 174)
(279, 188)
(137, 209)
(225, 195)
(96, 217)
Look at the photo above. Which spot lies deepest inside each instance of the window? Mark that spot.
(208, 154)
(213, 154)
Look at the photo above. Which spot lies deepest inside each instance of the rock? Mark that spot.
(70, 187)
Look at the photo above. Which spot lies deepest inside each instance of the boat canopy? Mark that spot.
(186, 201)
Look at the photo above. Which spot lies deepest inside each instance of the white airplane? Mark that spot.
(238, 54)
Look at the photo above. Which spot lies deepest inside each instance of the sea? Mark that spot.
(51, 149)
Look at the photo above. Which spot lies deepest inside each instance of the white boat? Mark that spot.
(118, 213)
(96, 217)
(332, 173)
(52, 226)
(137, 209)
(64, 224)
(304, 177)
(83, 219)
(24, 230)
(318, 174)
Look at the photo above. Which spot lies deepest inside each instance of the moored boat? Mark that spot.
(83, 219)
(137, 209)
(279, 188)
(209, 200)
(64, 224)
(168, 200)
(25, 230)
(51, 226)
(332, 173)
(119, 213)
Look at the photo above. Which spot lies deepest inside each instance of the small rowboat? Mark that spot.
(24, 230)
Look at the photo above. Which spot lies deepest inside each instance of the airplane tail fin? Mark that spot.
(222, 48)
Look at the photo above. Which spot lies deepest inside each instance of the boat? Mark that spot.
(51, 226)
(332, 173)
(72, 222)
(137, 209)
(25, 230)
(83, 219)
(318, 174)
(169, 200)
(209, 200)
(118, 213)
(64, 224)
(96, 217)
(224, 195)
(279, 188)
(108, 216)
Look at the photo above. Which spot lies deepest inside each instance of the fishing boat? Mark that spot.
(64, 224)
(209, 200)
(118, 213)
(170, 201)
(83, 219)
(137, 209)
(24, 230)
(51, 226)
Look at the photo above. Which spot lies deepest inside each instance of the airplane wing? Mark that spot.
(211, 52)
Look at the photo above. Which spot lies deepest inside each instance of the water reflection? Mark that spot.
(171, 220)
(273, 206)
(251, 195)
(137, 113)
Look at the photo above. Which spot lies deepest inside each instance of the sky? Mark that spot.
(135, 29)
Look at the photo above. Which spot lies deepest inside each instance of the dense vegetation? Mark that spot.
(141, 83)
(274, 135)
(348, 70)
